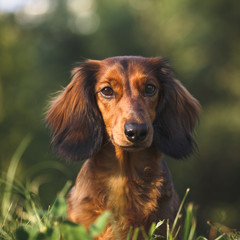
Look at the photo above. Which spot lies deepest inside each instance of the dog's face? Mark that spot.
(127, 94)
(135, 100)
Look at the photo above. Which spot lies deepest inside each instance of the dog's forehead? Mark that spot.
(125, 62)
(126, 66)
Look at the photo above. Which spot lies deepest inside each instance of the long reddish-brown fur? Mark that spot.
(120, 115)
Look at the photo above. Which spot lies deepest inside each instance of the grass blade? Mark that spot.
(11, 173)
(129, 233)
(135, 234)
(145, 236)
(189, 223)
(192, 230)
(178, 213)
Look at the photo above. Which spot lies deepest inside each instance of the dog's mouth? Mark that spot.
(132, 148)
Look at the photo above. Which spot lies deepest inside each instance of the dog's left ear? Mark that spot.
(176, 116)
(74, 118)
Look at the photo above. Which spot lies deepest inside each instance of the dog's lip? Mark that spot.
(132, 147)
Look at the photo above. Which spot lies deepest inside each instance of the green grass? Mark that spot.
(23, 218)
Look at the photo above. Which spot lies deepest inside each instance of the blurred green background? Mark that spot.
(41, 40)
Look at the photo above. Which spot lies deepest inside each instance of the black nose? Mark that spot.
(136, 132)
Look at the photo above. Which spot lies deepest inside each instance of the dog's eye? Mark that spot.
(106, 92)
(150, 90)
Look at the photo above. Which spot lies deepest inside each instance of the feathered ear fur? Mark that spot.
(74, 118)
(176, 116)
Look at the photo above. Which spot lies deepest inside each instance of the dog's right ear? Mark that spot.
(176, 116)
(74, 118)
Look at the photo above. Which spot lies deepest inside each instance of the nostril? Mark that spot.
(143, 131)
(135, 131)
(130, 131)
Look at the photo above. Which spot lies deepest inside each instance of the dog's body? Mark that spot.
(138, 193)
(121, 114)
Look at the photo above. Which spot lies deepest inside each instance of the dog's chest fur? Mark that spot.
(131, 187)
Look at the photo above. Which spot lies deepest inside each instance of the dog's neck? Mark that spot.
(128, 164)
(127, 176)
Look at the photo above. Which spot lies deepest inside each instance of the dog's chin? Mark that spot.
(132, 148)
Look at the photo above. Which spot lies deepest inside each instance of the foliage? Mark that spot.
(201, 39)
(26, 220)
(52, 224)
(23, 218)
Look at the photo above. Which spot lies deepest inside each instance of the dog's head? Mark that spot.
(134, 101)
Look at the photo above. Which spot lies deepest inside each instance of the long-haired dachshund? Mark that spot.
(120, 115)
